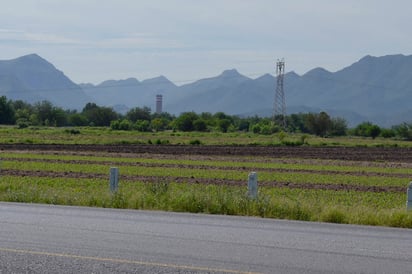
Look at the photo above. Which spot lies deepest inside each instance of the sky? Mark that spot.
(185, 40)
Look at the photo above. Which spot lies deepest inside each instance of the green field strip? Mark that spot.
(388, 200)
(214, 163)
(299, 204)
(295, 177)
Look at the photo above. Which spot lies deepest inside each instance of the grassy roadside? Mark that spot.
(384, 209)
(338, 206)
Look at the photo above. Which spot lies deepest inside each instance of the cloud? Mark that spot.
(139, 41)
(35, 37)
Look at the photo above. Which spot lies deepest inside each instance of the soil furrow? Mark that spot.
(193, 180)
(393, 154)
(206, 167)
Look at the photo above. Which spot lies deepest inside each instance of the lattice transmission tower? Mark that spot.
(279, 107)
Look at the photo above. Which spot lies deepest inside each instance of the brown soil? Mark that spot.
(361, 156)
(193, 180)
(275, 170)
(395, 154)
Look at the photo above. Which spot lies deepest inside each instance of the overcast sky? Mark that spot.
(97, 40)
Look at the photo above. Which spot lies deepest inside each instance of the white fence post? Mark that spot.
(114, 179)
(409, 197)
(252, 185)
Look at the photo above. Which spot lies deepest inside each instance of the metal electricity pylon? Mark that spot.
(279, 108)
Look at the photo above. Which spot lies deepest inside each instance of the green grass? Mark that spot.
(310, 205)
(320, 165)
(264, 176)
(101, 135)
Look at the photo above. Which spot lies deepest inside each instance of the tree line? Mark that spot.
(142, 119)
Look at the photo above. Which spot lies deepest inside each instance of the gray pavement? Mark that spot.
(58, 239)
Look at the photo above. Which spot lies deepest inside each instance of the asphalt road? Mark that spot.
(57, 239)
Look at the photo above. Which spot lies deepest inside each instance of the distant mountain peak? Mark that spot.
(158, 79)
(159, 84)
(231, 73)
(32, 59)
(31, 56)
(124, 82)
(266, 76)
(318, 70)
(392, 57)
(41, 81)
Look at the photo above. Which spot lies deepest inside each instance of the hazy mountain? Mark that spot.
(376, 89)
(159, 84)
(31, 78)
(129, 92)
(221, 93)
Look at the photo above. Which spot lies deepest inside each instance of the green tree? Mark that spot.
(339, 127)
(77, 119)
(185, 121)
(45, 114)
(224, 124)
(296, 122)
(142, 125)
(318, 124)
(159, 124)
(23, 113)
(404, 131)
(256, 128)
(138, 113)
(199, 125)
(99, 116)
(367, 129)
(388, 133)
(7, 112)
(374, 131)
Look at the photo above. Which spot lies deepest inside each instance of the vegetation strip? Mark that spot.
(209, 167)
(192, 180)
(340, 153)
(237, 160)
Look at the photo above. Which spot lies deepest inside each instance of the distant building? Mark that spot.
(159, 103)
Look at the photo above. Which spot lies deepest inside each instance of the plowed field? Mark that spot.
(359, 164)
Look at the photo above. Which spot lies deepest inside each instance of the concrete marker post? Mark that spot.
(252, 185)
(409, 197)
(114, 179)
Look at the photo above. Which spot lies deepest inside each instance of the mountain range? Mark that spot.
(376, 89)
(31, 78)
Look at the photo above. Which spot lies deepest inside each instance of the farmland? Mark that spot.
(342, 184)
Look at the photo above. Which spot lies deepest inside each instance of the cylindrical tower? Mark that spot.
(159, 103)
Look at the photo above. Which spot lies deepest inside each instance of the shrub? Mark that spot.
(73, 131)
(195, 142)
(23, 123)
(334, 216)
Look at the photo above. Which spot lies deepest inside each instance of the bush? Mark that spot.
(142, 125)
(387, 133)
(23, 123)
(121, 125)
(161, 142)
(256, 129)
(73, 131)
(404, 131)
(195, 142)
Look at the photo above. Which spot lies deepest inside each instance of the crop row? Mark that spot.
(319, 166)
(220, 174)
